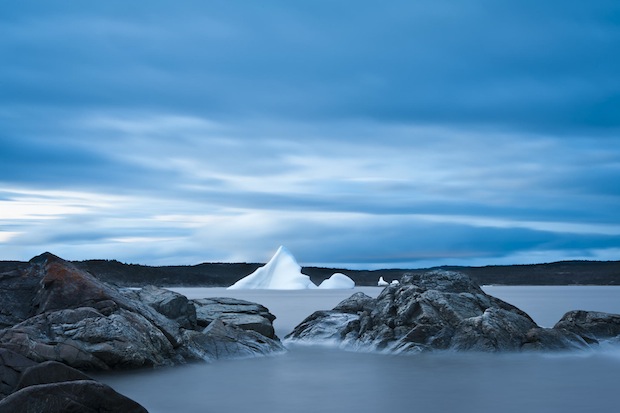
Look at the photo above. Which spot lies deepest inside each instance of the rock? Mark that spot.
(49, 372)
(552, 339)
(17, 292)
(86, 339)
(12, 365)
(81, 396)
(495, 329)
(239, 313)
(222, 341)
(436, 310)
(592, 326)
(171, 304)
(75, 319)
(358, 302)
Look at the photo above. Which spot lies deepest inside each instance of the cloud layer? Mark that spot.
(408, 134)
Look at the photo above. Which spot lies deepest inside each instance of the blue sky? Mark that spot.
(363, 134)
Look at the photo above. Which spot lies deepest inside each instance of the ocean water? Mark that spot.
(320, 379)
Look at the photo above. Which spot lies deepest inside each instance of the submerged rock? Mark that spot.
(436, 310)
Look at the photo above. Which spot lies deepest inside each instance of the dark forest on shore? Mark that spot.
(225, 274)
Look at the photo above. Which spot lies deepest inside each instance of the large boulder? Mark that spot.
(80, 396)
(436, 310)
(52, 387)
(239, 313)
(73, 318)
(86, 339)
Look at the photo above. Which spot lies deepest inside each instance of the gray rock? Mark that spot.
(86, 339)
(49, 372)
(12, 365)
(17, 292)
(436, 310)
(223, 341)
(75, 319)
(592, 326)
(553, 339)
(81, 396)
(171, 304)
(239, 313)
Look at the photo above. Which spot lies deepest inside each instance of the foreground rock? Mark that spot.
(437, 310)
(55, 315)
(52, 387)
(84, 396)
(71, 317)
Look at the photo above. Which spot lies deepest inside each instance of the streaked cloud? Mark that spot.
(400, 134)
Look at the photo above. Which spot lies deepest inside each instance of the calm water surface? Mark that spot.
(311, 379)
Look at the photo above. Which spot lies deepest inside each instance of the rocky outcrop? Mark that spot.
(239, 313)
(64, 314)
(592, 326)
(436, 310)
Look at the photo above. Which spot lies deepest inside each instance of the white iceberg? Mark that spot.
(338, 281)
(382, 282)
(281, 273)
(395, 282)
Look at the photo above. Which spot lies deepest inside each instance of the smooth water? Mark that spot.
(319, 379)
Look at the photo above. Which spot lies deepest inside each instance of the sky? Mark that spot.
(364, 134)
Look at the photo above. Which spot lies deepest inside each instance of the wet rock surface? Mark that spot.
(443, 310)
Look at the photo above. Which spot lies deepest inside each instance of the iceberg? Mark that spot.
(338, 281)
(382, 282)
(281, 273)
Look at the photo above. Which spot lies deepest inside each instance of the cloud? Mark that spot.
(378, 134)
(521, 64)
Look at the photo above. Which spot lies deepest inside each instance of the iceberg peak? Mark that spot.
(282, 272)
